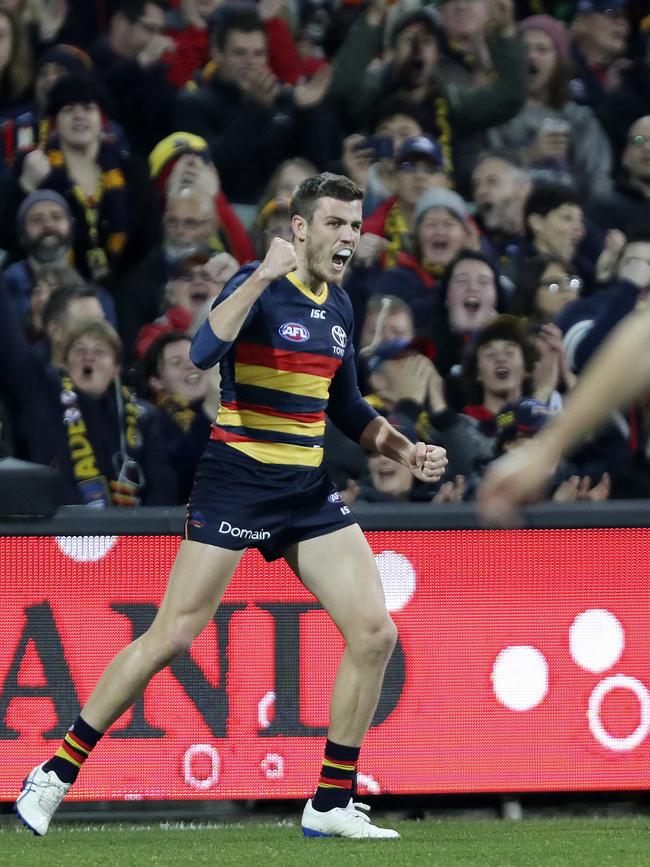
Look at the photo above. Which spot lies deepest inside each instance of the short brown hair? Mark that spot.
(99, 328)
(325, 185)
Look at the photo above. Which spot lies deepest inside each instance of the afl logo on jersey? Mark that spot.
(294, 331)
(339, 336)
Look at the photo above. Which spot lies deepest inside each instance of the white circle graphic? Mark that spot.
(619, 681)
(215, 766)
(85, 549)
(520, 677)
(397, 577)
(596, 640)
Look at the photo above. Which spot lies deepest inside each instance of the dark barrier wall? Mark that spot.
(522, 663)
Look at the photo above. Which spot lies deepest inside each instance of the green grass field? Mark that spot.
(447, 842)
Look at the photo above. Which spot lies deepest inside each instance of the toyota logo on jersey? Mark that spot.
(339, 336)
(294, 331)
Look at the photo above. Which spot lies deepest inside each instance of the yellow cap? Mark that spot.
(172, 146)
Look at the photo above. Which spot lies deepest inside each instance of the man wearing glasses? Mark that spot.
(628, 204)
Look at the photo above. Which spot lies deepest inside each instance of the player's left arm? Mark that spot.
(362, 423)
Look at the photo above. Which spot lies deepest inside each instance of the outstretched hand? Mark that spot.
(519, 477)
(428, 462)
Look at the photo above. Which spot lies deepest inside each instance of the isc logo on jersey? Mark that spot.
(294, 331)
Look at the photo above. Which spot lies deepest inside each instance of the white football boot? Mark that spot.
(347, 821)
(39, 798)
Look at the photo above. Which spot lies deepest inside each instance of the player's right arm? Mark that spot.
(215, 336)
(618, 373)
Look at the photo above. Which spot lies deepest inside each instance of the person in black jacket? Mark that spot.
(188, 401)
(250, 121)
(109, 193)
(106, 444)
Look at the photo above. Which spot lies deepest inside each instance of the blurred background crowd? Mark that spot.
(150, 148)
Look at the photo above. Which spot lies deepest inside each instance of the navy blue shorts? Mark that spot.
(238, 503)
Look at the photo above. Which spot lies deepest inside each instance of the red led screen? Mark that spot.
(523, 664)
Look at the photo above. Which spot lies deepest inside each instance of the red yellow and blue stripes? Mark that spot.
(73, 750)
(272, 431)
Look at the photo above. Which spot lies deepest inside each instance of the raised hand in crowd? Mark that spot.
(407, 378)
(550, 143)
(51, 15)
(636, 270)
(35, 168)
(192, 171)
(263, 87)
(615, 72)
(579, 488)
(309, 92)
(451, 492)
(501, 21)
(268, 9)
(610, 255)
(369, 249)
(153, 51)
(552, 369)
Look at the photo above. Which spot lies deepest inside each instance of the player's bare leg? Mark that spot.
(339, 569)
(197, 582)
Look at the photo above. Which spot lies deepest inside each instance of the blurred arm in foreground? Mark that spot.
(619, 372)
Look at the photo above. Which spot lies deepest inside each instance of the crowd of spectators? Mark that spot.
(148, 148)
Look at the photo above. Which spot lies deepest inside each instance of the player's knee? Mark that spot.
(168, 643)
(375, 643)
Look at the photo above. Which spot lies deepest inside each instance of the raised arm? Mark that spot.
(215, 336)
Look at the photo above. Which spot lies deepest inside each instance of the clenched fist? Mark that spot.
(279, 261)
(428, 462)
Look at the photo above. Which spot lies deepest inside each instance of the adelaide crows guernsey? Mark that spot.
(292, 362)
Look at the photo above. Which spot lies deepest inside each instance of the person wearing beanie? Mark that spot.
(44, 225)
(130, 62)
(441, 229)
(555, 138)
(599, 47)
(418, 166)
(107, 191)
(31, 127)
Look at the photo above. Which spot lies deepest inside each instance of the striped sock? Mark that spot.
(73, 752)
(337, 777)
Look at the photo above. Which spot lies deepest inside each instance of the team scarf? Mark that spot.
(178, 409)
(94, 489)
(398, 234)
(105, 212)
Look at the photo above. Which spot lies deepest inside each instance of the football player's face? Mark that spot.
(332, 237)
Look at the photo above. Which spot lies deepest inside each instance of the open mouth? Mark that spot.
(199, 297)
(471, 304)
(341, 258)
(193, 378)
(87, 371)
(502, 372)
